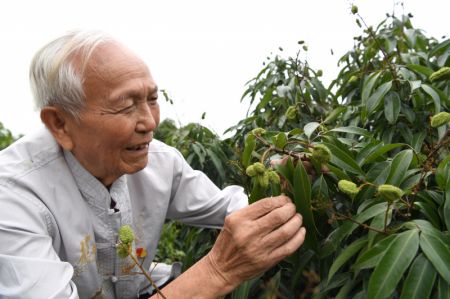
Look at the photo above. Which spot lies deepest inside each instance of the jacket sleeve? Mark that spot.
(29, 266)
(196, 200)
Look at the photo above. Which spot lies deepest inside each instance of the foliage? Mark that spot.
(206, 152)
(6, 137)
(377, 212)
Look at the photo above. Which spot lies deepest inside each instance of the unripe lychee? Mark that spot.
(122, 250)
(274, 178)
(258, 131)
(354, 9)
(440, 119)
(348, 187)
(291, 112)
(390, 192)
(321, 153)
(263, 180)
(352, 79)
(251, 171)
(259, 168)
(442, 74)
(319, 73)
(126, 234)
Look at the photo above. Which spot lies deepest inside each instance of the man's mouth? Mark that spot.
(138, 147)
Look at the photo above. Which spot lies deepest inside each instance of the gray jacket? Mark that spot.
(58, 235)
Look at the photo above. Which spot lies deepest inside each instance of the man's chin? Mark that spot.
(136, 167)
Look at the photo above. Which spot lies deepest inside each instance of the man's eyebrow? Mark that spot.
(133, 93)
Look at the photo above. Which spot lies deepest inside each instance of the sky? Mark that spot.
(201, 52)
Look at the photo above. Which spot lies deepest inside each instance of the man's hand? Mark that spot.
(254, 239)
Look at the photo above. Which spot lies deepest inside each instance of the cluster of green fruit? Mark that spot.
(261, 175)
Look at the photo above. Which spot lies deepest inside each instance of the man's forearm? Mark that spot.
(199, 281)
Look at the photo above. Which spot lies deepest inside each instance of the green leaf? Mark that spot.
(417, 140)
(334, 114)
(352, 130)
(342, 175)
(287, 171)
(420, 279)
(320, 88)
(367, 150)
(378, 223)
(217, 163)
(429, 211)
(368, 86)
(345, 255)
(382, 150)
(440, 47)
(343, 160)
(280, 140)
(443, 289)
(434, 95)
(420, 69)
(399, 166)
(426, 227)
(345, 289)
(302, 200)
(392, 107)
(335, 238)
(243, 290)
(266, 98)
(371, 257)
(443, 172)
(446, 209)
(310, 128)
(379, 172)
(375, 99)
(199, 151)
(393, 264)
(437, 252)
(250, 144)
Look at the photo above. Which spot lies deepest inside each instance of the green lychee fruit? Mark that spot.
(390, 192)
(441, 74)
(440, 119)
(126, 234)
(348, 187)
(321, 153)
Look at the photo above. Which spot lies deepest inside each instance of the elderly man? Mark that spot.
(66, 190)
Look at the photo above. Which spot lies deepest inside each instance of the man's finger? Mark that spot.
(264, 206)
(275, 218)
(290, 246)
(283, 233)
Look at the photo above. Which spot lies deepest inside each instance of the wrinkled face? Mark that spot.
(121, 112)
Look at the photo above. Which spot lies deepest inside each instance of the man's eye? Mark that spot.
(127, 109)
(152, 101)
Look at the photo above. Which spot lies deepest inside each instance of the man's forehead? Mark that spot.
(113, 54)
(112, 61)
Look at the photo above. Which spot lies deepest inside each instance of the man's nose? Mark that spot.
(146, 122)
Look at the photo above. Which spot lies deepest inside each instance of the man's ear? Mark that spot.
(56, 121)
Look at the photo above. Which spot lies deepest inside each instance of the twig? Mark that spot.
(147, 276)
(386, 217)
(365, 226)
(385, 55)
(440, 144)
(298, 156)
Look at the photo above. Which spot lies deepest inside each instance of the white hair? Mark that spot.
(55, 79)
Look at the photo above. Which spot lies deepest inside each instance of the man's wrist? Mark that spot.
(217, 278)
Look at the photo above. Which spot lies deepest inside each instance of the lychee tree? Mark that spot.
(377, 208)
